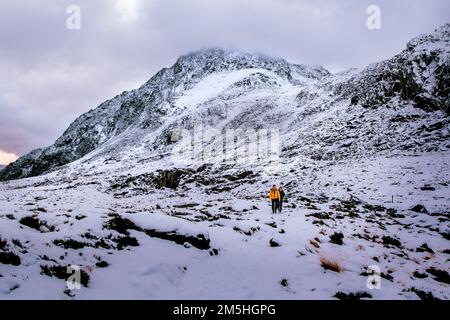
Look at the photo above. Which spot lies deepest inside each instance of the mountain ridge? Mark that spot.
(396, 81)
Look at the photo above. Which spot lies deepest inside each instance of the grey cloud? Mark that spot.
(49, 75)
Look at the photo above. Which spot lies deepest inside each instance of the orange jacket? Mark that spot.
(274, 194)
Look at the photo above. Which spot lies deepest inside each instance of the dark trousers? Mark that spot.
(280, 205)
(275, 205)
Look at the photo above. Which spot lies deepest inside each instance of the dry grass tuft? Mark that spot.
(332, 265)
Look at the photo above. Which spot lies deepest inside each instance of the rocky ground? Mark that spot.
(209, 233)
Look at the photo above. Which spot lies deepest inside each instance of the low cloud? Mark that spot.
(6, 158)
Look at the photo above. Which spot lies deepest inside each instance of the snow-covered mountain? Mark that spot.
(151, 106)
(266, 91)
(363, 158)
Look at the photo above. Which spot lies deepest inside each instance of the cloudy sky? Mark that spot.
(50, 74)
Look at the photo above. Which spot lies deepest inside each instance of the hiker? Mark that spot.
(274, 196)
(282, 196)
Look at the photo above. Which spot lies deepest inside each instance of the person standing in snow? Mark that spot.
(274, 196)
(282, 196)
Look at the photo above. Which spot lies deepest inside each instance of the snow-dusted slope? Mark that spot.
(146, 108)
(364, 160)
(418, 75)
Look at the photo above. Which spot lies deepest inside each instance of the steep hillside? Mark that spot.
(419, 76)
(145, 108)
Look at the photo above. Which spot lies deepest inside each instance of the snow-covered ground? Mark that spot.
(240, 261)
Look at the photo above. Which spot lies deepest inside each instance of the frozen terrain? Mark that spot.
(363, 158)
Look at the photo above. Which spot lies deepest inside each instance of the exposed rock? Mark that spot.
(70, 244)
(337, 238)
(169, 179)
(423, 295)
(199, 241)
(61, 272)
(274, 243)
(419, 208)
(352, 296)
(9, 258)
(424, 248)
(120, 224)
(389, 241)
(439, 275)
(35, 223)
